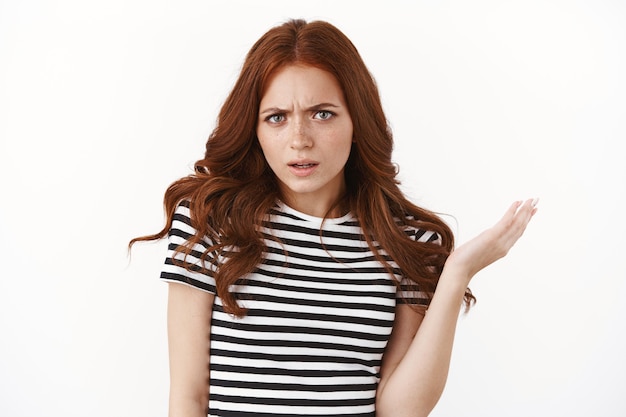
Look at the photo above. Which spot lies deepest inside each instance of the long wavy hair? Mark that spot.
(233, 188)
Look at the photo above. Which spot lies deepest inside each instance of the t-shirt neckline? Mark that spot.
(314, 219)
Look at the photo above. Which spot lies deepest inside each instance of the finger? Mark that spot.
(511, 215)
(516, 218)
(512, 210)
(527, 209)
(512, 225)
(534, 204)
(523, 216)
(531, 207)
(529, 204)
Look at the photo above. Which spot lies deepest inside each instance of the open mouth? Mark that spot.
(304, 168)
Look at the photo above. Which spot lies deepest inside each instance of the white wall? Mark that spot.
(103, 104)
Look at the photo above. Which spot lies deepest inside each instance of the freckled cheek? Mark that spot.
(272, 136)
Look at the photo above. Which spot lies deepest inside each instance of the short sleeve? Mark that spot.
(187, 269)
(409, 292)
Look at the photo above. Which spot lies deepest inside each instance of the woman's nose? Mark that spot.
(300, 136)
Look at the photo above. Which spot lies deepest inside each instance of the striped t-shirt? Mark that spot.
(320, 312)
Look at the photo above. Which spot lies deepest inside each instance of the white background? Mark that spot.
(104, 104)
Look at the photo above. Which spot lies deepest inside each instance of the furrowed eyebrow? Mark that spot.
(273, 110)
(278, 110)
(322, 106)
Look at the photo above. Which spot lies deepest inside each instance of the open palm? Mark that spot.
(495, 242)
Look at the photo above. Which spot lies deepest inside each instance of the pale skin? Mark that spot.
(305, 131)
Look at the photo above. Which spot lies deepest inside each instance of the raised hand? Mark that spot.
(493, 243)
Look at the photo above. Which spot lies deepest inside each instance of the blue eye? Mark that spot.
(276, 118)
(324, 115)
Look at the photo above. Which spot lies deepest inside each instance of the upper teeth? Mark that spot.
(303, 165)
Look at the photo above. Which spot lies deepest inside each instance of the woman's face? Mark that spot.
(305, 131)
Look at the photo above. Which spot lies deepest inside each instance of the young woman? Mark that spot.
(302, 282)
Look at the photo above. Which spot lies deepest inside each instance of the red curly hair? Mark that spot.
(233, 188)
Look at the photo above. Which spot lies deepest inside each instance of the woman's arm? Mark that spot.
(417, 359)
(188, 327)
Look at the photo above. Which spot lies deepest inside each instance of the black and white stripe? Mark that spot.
(320, 311)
